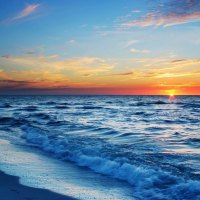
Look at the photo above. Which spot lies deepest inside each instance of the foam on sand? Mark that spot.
(40, 171)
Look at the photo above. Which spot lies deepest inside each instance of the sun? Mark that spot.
(171, 92)
(171, 96)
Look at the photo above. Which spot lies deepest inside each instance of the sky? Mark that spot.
(132, 47)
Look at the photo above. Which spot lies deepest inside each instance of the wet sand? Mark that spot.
(11, 189)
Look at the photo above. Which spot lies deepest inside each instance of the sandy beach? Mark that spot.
(11, 189)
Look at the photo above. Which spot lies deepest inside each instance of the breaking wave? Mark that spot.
(148, 183)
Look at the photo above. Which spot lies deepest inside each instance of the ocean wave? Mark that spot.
(195, 142)
(62, 107)
(6, 120)
(41, 116)
(30, 108)
(140, 104)
(56, 122)
(147, 103)
(159, 102)
(148, 183)
(5, 105)
(101, 129)
(89, 107)
(174, 121)
(12, 121)
(191, 105)
(126, 134)
(139, 113)
(49, 103)
(109, 102)
(155, 129)
(110, 132)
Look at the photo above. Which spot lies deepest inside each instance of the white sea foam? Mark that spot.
(147, 183)
(40, 171)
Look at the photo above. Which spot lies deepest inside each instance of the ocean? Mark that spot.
(104, 147)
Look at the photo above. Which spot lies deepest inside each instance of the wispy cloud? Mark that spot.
(113, 74)
(15, 83)
(130, 43)
(3, 75)
(136, 11)
(50, 71)
(53, 71)
(30, 52)
(169, 13)
(123, 74)
(175, 75)
(186, 61)
(71, 42)
(165, 21)
(133, 50)
(174, 85)
(24, 13)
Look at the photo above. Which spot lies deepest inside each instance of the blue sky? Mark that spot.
(92, 44)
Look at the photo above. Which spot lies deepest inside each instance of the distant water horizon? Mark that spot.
(164, 95)
(135, 146)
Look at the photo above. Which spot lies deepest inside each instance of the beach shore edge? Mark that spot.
(11, 189)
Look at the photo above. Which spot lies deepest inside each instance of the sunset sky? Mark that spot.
(100, 47)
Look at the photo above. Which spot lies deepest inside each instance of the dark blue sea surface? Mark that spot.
(150, 142)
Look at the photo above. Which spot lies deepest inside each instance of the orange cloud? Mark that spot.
(80, 66)
(3, 75)
(123, 74)
(186, 61)
(98, 74)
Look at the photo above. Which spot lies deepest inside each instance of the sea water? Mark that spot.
(104, 147)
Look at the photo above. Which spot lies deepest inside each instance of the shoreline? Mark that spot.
(11, 189)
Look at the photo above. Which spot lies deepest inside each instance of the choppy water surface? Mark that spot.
(150, 142)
